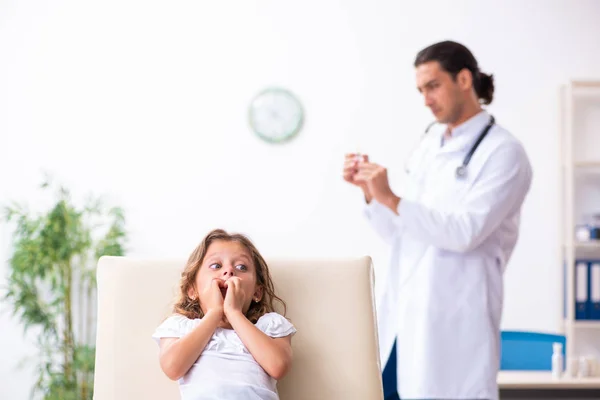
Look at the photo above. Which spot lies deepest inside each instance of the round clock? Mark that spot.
(276, 115)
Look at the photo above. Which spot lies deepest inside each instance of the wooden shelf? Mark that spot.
(585, 89)
(583, 323)
(543, 380)
(586, 164)
(591, 245)
(585, 84)
(583, 166)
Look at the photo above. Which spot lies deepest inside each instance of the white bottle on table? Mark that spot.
(557, 360)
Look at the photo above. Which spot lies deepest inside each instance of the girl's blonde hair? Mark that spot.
(191, 307)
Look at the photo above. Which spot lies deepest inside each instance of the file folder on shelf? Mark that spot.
(594, 290)
(581, 289)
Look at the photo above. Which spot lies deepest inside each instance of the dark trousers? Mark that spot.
(390, 379)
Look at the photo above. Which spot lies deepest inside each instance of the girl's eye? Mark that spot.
(214, 266)
(242, 267)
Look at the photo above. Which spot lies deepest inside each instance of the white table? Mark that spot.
(543, 380)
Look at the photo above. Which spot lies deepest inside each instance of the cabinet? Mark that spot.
(580, 201)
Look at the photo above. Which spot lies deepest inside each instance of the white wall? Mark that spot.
(146, 102)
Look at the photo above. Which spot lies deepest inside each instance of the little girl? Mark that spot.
(224, 340)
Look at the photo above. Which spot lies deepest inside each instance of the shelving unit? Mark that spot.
(580, 191)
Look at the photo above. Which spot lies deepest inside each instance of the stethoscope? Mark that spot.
(461, 170)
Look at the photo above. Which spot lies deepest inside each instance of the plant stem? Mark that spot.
(81, 333)
(68, 333)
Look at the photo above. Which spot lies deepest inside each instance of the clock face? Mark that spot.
(276, 115)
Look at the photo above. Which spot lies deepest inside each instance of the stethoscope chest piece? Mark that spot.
(461, 172)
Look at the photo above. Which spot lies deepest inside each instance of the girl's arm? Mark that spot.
(273, 354)
(177, 355)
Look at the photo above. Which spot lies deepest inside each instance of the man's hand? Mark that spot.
(351, 162)
(375, 178)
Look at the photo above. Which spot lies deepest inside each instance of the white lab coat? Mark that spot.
(450, 244)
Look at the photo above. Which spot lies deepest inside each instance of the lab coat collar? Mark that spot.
(465, 133)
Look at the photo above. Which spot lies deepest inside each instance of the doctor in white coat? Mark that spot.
(452, 230)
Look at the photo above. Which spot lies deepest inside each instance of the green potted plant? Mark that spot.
(52, 289)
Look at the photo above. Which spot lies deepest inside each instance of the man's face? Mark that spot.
(443, 95)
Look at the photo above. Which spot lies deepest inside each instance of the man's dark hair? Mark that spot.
(453, 58)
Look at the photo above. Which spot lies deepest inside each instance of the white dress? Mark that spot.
(226, 369)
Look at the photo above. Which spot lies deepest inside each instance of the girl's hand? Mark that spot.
(211, 298)
(234, 298)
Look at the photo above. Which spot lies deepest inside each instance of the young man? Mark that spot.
(452, 231)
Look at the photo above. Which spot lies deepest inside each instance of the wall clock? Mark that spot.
(276, 115)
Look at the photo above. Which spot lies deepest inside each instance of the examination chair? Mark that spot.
(330, 301)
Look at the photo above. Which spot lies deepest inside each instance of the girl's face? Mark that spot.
(224, 260)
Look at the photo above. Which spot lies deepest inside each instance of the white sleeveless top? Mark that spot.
(226, 369)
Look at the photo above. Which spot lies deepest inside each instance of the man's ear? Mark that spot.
(258, 294)
(464, 78)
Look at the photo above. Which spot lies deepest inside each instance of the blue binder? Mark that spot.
(582, 289)
(594, 290)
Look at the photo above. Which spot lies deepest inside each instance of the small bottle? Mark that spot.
(557, 360)
(573, 368)
(584, 368)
